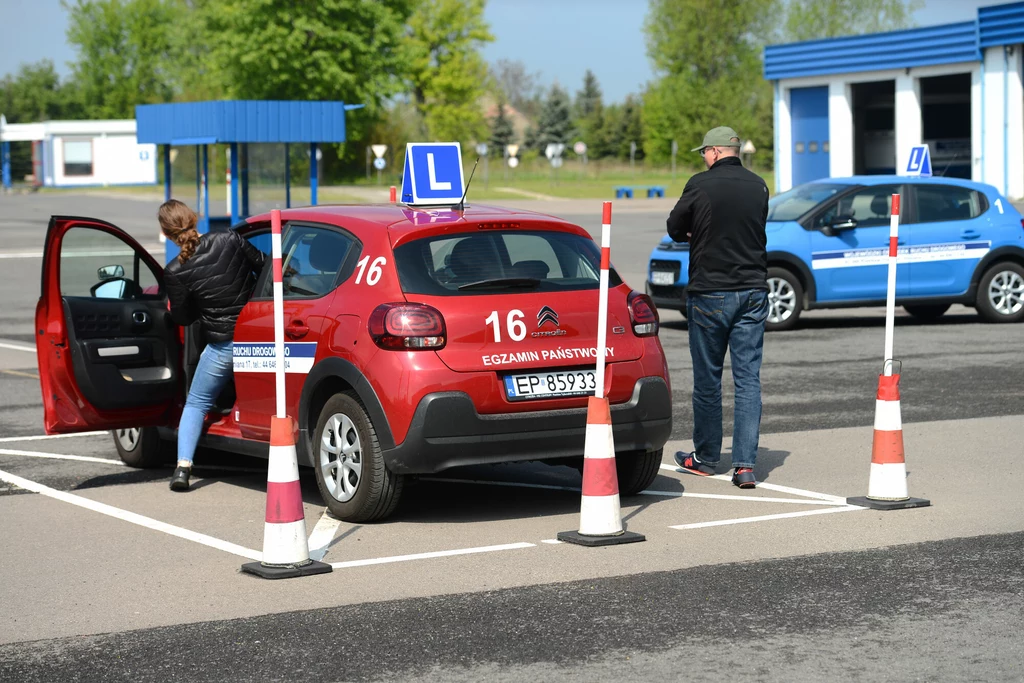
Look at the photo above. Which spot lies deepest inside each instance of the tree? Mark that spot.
(555, 124)
(502, 132)
(445, 70)
(632, 129)
(707, 55)
(125, 54)
(588, 100)
(519, 87)
(813, 19)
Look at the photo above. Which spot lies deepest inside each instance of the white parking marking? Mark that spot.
(131, 517)
(836, 500)
(439, 553)
(323, 534)
(551, 541)
(60, 456)
(17, 347)
(765, 518)
(44, 437)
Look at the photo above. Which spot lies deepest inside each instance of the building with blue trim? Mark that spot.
(858, 104)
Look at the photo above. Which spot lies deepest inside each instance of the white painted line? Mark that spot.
(132, 518)
(836, 500)
(17, 347)
(323, 534)
(8, 439)
(552, 541)
(440, 553)
(60, 456)
(745, 499)
(765, 518)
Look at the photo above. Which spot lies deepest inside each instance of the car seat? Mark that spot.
(534, 268)
(472, 260)
(325, 253)
(880, 206)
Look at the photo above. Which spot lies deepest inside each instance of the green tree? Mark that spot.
(707, 56)
(125, 54)
(609, 135)
(589, 110)
(445, 70)
(555, 124)
(518, 85)
(631, 127)
(502, 132)
(813, 19)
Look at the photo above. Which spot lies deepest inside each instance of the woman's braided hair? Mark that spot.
(178, 223)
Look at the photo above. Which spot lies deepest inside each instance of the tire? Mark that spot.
(785, 299)
(141, 447)
(367, 491)
(1001, 293)
(926, 312)
(637, 470)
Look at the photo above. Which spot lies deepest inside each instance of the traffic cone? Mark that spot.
(600, 516)
(285, 548)
(887, 484)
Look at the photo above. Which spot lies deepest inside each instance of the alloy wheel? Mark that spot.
(1006, 292)
(781, 300)
(128, 438)
(341, 457)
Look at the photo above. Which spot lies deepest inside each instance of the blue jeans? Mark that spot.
(212, 375)
(718, 321)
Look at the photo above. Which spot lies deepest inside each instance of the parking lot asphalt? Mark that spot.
(808, 587)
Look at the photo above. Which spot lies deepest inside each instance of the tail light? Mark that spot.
(643, 315)
(411, 327)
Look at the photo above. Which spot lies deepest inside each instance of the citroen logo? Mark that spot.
(547, 315)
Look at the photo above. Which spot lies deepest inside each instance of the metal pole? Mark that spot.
(235, 182)
(890, 299)
(245, 179)
(313, 174)
(287, 176)
(206, 188)
(602, 304)
(279, 360)
(199, 182)
(167, 173)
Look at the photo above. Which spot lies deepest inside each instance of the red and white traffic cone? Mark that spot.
(887, 484)
(285, 548)
(600, 515)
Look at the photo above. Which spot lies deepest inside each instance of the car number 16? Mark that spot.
(372, 277)
(513, 323)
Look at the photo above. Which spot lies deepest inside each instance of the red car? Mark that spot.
(417, 340)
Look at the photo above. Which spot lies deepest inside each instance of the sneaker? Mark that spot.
(179, 480)
(690, 463)
(744, 478)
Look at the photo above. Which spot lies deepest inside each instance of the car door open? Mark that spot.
(109, 355)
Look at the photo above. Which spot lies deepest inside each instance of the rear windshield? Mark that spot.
(489, 262)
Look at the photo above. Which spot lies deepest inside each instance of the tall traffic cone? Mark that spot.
(887, 484)
(600, 516)
(285, 548)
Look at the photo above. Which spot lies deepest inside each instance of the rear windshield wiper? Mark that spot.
(502, 283)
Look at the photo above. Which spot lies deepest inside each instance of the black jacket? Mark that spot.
(722, 214)
(214, 284)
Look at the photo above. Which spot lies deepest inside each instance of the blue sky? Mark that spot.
(557, 39)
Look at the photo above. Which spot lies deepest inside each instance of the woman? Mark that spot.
(210, 281)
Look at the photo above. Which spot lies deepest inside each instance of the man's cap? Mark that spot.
(723, 136)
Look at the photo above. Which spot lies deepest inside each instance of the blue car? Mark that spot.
(828, 246)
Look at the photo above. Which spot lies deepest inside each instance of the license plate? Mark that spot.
(663, 277)
(550, 384)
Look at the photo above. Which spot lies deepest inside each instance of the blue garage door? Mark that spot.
(809, 112)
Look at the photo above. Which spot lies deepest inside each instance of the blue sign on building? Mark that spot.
(433, 174)
(920, 162)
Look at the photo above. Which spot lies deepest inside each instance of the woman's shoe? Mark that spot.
(179, 480)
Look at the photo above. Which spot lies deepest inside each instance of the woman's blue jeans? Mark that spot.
(718, 321)
(212, 375)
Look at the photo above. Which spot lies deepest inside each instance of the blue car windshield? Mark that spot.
(794, 203)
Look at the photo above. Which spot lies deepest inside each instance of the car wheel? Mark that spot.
(926, 312)
(637, 470)
(350, 471)
(141, 447)
(1001, 293)
(785, 299)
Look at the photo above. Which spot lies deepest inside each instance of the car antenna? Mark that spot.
(461, 206)
(948, 164)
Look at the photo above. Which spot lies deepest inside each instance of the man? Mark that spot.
(722, 214)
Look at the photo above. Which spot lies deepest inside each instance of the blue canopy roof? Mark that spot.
(198, 123)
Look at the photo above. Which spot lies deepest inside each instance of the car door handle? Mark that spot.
(296, 330)
(970, 234)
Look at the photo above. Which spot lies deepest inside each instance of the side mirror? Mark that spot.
(838, 224)
(110, 272)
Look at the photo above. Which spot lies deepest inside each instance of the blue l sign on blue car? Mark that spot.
(920, 162)
(433, 174)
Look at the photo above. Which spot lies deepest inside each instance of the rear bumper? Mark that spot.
(669, 297)
(446, 431)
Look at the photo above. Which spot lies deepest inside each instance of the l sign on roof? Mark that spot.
(433, 174)
(920, 162)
